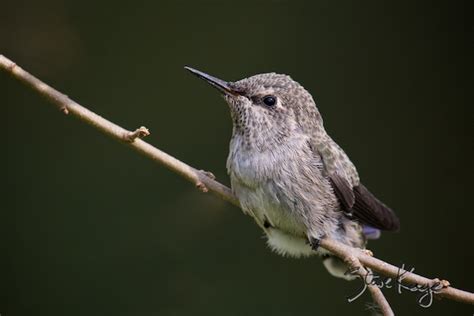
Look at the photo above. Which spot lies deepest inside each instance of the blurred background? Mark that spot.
(89, 226)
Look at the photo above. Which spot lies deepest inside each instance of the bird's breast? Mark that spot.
(261, 181)
(252, 166)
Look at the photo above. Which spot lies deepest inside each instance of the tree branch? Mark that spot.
(204, 181)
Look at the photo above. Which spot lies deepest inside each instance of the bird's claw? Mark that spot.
(314, 243)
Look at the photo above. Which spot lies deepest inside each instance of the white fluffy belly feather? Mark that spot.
(288, 245)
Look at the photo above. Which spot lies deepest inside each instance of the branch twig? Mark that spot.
(356, 268)
(205, 182)
(138, 133)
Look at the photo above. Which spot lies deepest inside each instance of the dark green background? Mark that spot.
(90, 227)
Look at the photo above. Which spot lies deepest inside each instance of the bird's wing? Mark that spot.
(359, 203)
(355, 199)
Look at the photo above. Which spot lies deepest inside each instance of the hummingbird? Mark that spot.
(290, 176)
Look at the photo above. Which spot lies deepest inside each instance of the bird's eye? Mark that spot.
(269, 100)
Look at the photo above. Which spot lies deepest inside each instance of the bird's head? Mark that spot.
(271, 105)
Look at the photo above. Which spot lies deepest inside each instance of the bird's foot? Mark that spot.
(315, 243)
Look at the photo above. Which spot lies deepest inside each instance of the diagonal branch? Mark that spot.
(205, 182)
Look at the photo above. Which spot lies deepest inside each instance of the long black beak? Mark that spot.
(221, 85)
